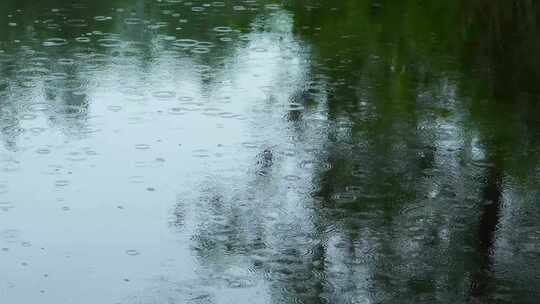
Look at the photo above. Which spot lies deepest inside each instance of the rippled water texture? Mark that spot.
(251, 151)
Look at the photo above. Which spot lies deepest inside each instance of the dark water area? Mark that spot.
(354, 151)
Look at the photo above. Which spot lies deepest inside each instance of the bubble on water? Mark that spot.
(176, 111)
(12, 24)
(13, 131)
(185, 43)
(132, 252)
(114, 108)
(294, 106)
(110, 42)
(292, 178)
(6, 206)
(344, 197)
(37, 130)
(223, 29)
(3, 188)
(225, 39)
(82, 39)
(133, 21)
(201, 153)
(250, 145)
(164, 94)
(71, 111)
(308, 164)
(133, 93)
(55, 42)
(197, 9)
(239, 8)
(185, 98)
(91, 152)
(142, 146)
(272, 6)
(11, 235)
(227, 115)
(33, 72)
(43, 151)
(102, 18)
(28, 116)
(200, 50)
(354, 189)
(61, 183)
(168, 37)
(39, 107)
(55, 76)
(77, 23)
(66, 61)
(76, 156)
(211, 111)
(205, 44)
(136, 179)
(52, 26)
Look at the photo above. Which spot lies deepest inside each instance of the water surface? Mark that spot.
(251, 151)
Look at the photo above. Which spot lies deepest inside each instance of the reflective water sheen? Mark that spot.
(307, 151)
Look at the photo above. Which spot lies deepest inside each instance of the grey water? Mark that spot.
(308, 151)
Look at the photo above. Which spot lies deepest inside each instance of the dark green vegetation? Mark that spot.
(346, 151)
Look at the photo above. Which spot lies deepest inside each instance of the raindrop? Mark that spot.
(164, 94)
(28, 117)
(344, 197)
(39, 107)
(292, 178)
(200, 50)
(43, 151)
(102, 18)
(82, 39)
(185, 43)
(205, 44)
(61, 183)
(223, 29)
(142, 146)
(132, 21)
(110, 42)
(185, 98)
(77, 23)
(114, 108)
(176, 111)
(55, 42)
(132, 252)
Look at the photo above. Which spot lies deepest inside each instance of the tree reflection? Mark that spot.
(413, 209)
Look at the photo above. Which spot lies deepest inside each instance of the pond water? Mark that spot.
(307, 151)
